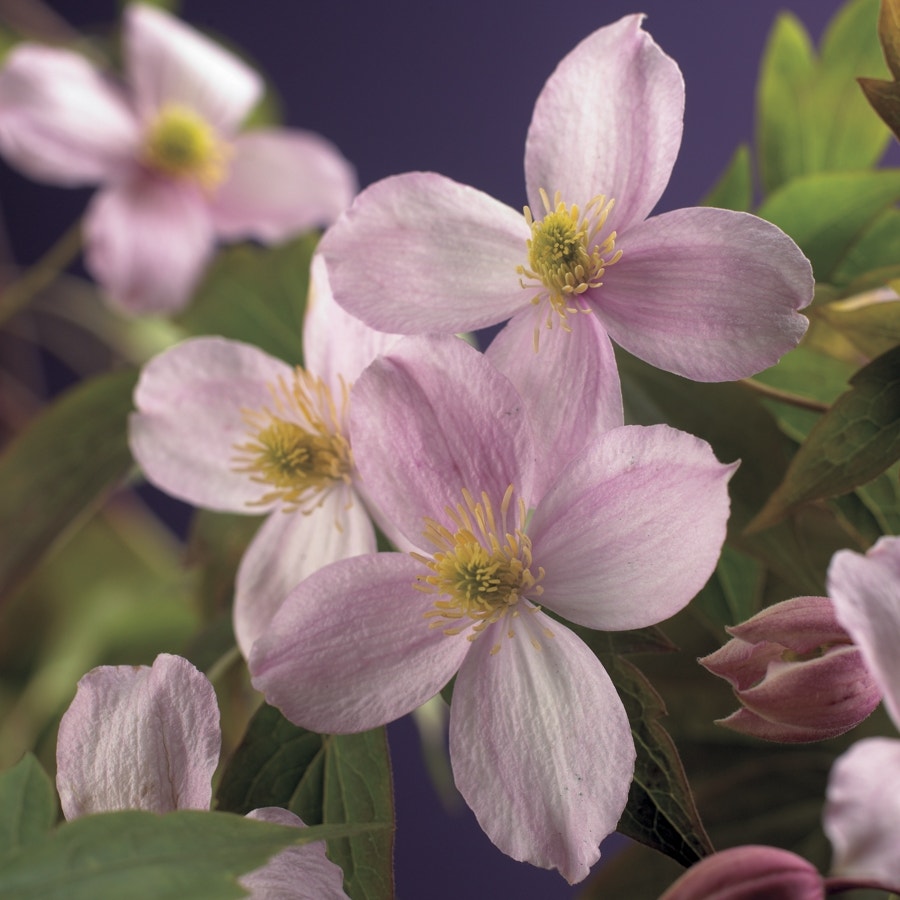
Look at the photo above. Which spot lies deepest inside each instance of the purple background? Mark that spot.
(449, 87)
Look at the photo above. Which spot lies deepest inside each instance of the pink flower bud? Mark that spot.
(796, 672)
(749, 873)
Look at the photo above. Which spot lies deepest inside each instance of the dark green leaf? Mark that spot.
(884, 96)
(27, 806)
(734, 189)
(732, 594)
(323, 779)
(889, 34)
(60, 469)
(640, 640)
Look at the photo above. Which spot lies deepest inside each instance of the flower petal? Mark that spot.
(281, 183)
(570, 387)
(298, 873)
(862, 811)
(60, 120)
(419, 253)
(189, 419)
(865, 591)
(147, 242)
(608, 121)
(169, 62)
(433, 417)
(632, 529)
(710, 294)
(540, 745)
(350, 648)
(137, 737)
(289, 547)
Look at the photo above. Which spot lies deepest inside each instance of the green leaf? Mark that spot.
(732, 595)
(640, 640)
(875, 256)
(139, 854)
(323, 779)
(734, 189)
(27, 806)
(889, 34)
(256, 295)
(871, 323)
(60, 469)
(857, 439)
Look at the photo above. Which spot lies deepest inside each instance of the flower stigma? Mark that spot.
(481, 569)
(180, 143)
(297, 449)
(566, 256)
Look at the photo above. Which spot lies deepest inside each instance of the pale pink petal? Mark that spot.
(862, 811)
(865, 591)
(147, 242)
(289, 547)
(190, 401)
(632, 529)
(279, 184)
(431, 418)
(710, 294)
(169, 62)
(570, 387)
(137, 737)
(298, 873)
(608, 121)
(61, 121)
(540, 744)
(351, 649)
(419, 253)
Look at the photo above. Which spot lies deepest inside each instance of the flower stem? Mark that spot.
(785, 396)
(223, 664)
(21, 291)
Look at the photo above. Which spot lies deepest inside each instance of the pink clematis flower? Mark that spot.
(710, 294)
(862, 811)
(140, 737)
(627, 532)
(174, 173)
(223, 425)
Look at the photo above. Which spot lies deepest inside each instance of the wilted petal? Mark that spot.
(710, 294)
(350, 648)
(137, 737)
(298, 873)
(608, 121)
(169, 62)
(632, 529)
(540, 744)
(289, 547)
(147, 242)
(189, 419)
(60, 120)
(419, 253)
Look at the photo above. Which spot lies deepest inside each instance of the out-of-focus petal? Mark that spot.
(431, 418)
(632, 529)
(862, 811)
(137, 737)
(289, 547)
(608, 121)
(298, 873)
(351, 649)
(147, 242)
(420, 253)
(169, 62)
(540, 744)
(280, 183)
(570, 387)
(61, 121)
(189, 419)
(710, 294)
(865, 591)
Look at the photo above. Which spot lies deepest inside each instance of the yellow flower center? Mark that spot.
(296, 449)
(566, 255)
(481, 568)
(181, 144)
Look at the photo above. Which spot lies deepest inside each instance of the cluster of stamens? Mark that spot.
(181, 144)
(566, 255)
(296, 448)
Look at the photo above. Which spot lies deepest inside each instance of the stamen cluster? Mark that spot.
(180, 143)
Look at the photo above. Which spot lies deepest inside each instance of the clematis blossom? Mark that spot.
(142, 737)
(623, 536)
(706, 293)
(224, 425)
(174, 172)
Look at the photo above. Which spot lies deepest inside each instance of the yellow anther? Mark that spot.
(180, 143)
